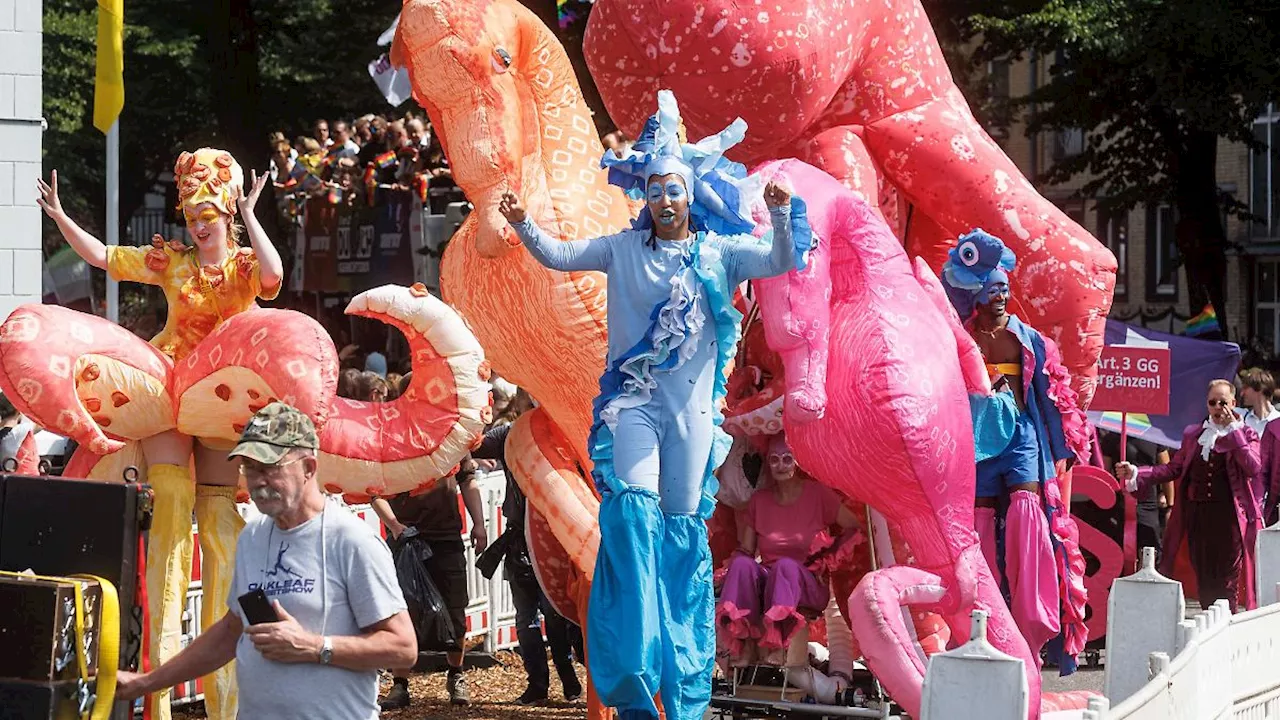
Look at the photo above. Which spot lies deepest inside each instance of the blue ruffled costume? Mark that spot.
(656, 439)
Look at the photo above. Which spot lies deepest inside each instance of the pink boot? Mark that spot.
(1033, 576)
(984, 520)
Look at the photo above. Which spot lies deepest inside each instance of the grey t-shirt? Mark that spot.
(12, 440)
(354, 579)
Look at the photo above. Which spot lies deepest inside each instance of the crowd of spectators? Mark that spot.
(351, 163)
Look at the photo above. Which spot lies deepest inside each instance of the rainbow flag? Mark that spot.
(385, 160)
(1139, 423)
(420, 187)
(570, 11)
(1203, 324)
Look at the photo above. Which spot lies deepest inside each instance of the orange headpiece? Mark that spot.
(209, 175)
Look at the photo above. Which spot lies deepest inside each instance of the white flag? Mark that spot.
(392, 81)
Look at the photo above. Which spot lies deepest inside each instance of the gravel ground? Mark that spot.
(492, 692)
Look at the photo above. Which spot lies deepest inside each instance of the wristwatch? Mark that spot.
(326, 650)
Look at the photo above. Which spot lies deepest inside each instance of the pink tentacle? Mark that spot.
(875, 610)
(801, 334)
(48, 352)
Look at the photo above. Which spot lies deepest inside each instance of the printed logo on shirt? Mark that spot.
(284, 580)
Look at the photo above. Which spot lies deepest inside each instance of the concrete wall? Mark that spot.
(20, 152)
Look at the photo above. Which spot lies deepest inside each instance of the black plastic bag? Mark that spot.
(426, 605)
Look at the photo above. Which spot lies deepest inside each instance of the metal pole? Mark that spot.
(1124, 437)
(113, 214)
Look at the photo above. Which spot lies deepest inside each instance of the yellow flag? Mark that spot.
(108, 84)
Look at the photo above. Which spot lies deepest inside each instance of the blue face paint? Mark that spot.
(993, 292)
(673, 190)
(676, 206)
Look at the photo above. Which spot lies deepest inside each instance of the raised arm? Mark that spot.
(1242, 446)
(577, 255)
(88, 247)
(270, 267)
(751, 260)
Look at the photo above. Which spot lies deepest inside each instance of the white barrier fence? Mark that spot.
(1159, 664)
(491, 613)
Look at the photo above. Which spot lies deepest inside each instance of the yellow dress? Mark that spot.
(200, 298)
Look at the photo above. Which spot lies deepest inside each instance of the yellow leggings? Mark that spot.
(169, 550)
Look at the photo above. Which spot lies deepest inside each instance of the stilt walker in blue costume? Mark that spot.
(656, 439)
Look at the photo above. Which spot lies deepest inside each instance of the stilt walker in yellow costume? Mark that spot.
(205, 283)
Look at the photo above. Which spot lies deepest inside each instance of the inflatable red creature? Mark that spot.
(860, 90)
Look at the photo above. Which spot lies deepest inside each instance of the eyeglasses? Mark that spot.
(1218, 403)
(258, 470)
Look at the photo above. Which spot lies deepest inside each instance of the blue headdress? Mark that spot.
(978, 262)
(721, 191)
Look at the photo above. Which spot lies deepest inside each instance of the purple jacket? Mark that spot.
(1269, 480)
(1244, 474)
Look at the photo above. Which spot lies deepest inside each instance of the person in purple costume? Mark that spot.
(764, 603)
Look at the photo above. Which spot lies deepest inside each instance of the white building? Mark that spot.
(20, 153)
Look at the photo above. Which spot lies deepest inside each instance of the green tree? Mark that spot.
(1155, 84)
(224, 73)
(166, 101)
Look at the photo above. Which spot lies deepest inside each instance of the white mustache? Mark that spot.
(264, 494)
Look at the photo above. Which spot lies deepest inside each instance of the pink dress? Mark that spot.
(766, 601)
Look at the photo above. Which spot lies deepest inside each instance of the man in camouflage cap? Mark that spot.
(330, 579)
(278, 437)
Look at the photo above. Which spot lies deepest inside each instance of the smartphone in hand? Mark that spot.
(257, 608)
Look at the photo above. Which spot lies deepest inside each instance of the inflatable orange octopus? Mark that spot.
(522, 126)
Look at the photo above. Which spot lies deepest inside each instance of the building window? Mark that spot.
(1067, 143)
(1113, 229)
(1264, 174)
(1267, 308)
(1162, 254)
(998, 72)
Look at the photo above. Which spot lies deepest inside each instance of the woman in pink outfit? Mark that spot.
(764, 603)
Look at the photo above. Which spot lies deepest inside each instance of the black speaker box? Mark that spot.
(60, 527)
(43, 701)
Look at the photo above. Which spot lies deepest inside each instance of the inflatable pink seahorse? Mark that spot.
(885, 420)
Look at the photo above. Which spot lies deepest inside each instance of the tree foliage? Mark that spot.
(1141, 76)
(224, 73)
(1155, 85)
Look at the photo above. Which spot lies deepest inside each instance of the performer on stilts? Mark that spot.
(656, 439)
(1017, 481)
(204, 283)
